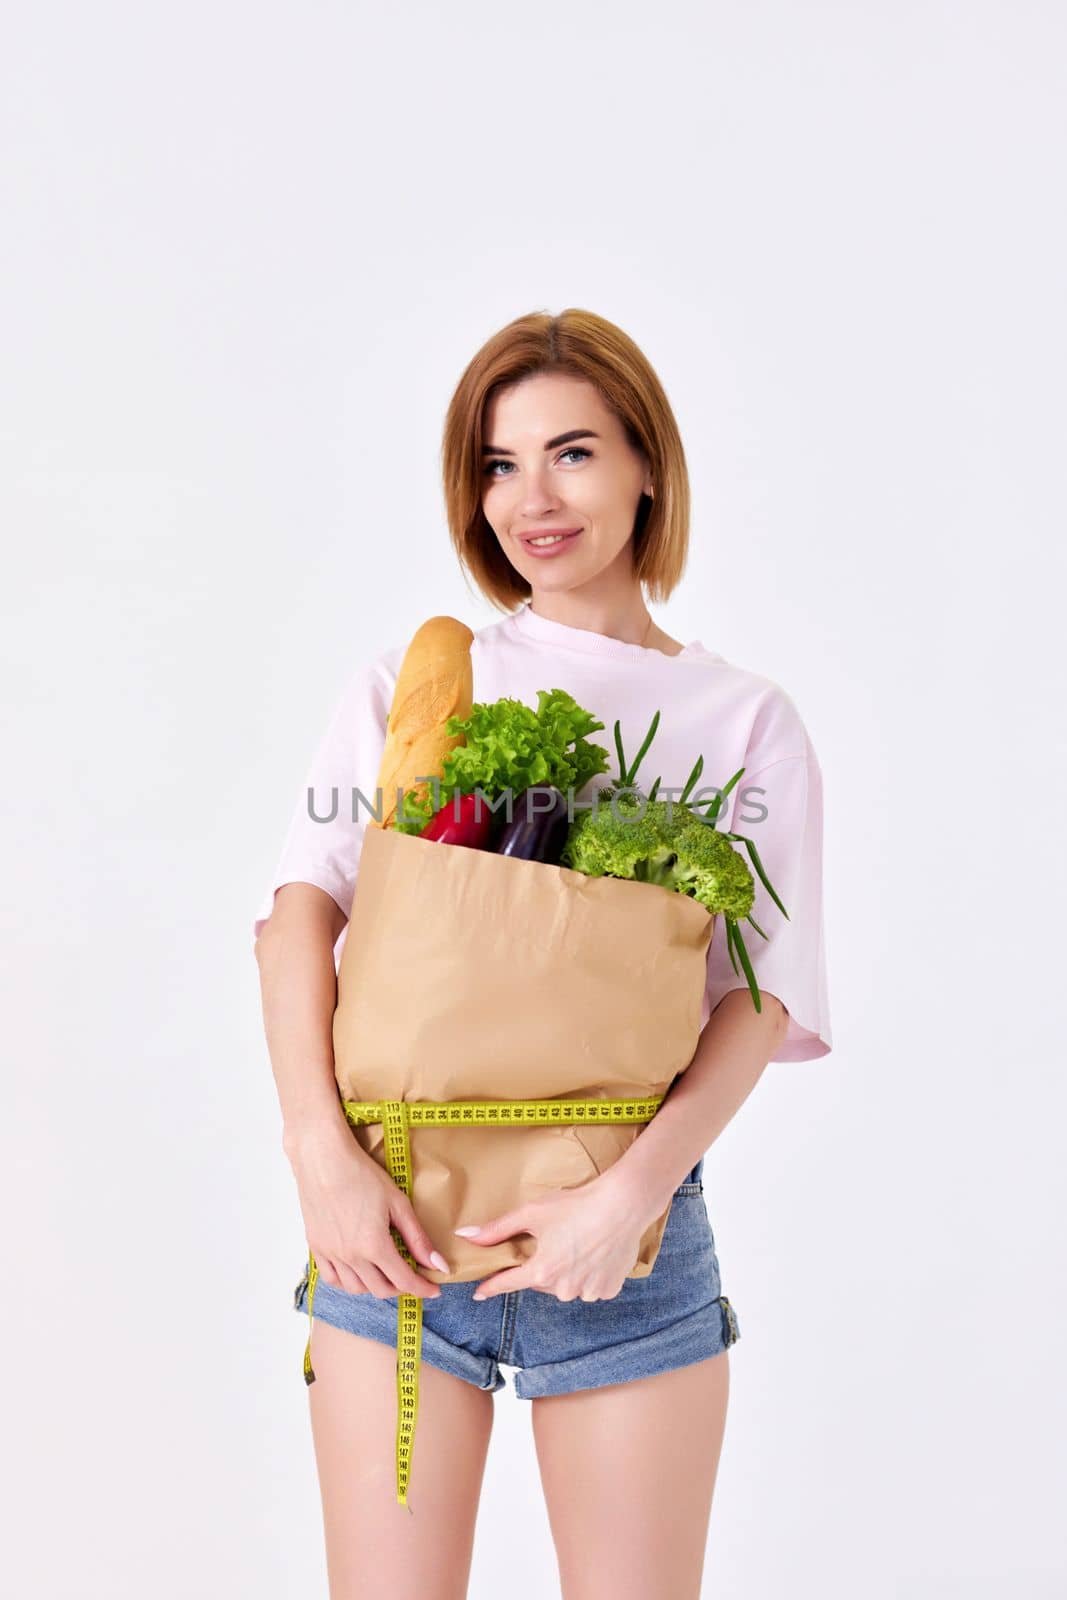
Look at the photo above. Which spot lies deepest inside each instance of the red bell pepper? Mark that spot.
(465, 819)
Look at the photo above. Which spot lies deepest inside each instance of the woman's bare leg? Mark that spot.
(375, 1547)
(628, 1473)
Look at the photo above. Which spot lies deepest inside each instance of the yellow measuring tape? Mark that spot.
(397, 1116)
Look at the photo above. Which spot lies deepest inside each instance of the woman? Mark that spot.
(567, 501)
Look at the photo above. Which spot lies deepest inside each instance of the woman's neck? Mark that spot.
(629, 621)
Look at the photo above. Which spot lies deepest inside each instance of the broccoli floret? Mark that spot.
(659, 842)
(709, 868)
(625, 846)
(654, 841)
(673, 817)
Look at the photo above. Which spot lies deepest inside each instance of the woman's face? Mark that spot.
(586, 485)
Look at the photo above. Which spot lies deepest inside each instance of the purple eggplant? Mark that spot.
(539, 825)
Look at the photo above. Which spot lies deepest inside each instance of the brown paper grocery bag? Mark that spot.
(467, 975)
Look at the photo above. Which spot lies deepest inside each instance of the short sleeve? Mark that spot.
(325, 836)
(785, 823)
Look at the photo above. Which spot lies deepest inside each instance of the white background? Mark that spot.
(247, 252)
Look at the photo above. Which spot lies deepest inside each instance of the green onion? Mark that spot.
(649, 736)
(713, 806)
(749, 974)
(693, 776)
(730, 943)
(618, 751)
(739, 838)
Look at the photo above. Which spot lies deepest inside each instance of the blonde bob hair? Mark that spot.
(581, 345)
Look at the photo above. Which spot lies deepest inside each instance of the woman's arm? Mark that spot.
(735, 1045)
(298, 983)
(347, 1198)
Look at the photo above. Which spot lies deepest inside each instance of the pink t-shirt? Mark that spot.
(734, 718)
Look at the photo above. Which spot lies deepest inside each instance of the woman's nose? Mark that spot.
(538, 496)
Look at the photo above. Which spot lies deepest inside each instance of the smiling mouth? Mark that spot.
(542, 541)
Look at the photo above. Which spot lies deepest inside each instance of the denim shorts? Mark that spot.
(675, 1316)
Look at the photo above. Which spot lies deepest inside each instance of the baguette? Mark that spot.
(435, 682)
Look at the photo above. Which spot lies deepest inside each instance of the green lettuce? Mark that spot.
(509, 745)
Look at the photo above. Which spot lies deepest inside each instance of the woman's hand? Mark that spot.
(587, 1241)
(348, 1201)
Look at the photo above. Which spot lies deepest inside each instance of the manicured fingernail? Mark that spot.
(467, 1233)
(479, 1297)
(439, 1261)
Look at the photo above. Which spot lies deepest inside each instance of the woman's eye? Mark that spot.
(573, 450)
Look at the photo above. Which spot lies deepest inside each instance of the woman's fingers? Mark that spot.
(373, 1280)
(384, 1278)
(327, 1270)
(404, 1279)
(351, 1281)
(414, 1235)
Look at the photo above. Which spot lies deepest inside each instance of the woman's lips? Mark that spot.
(553, 549)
